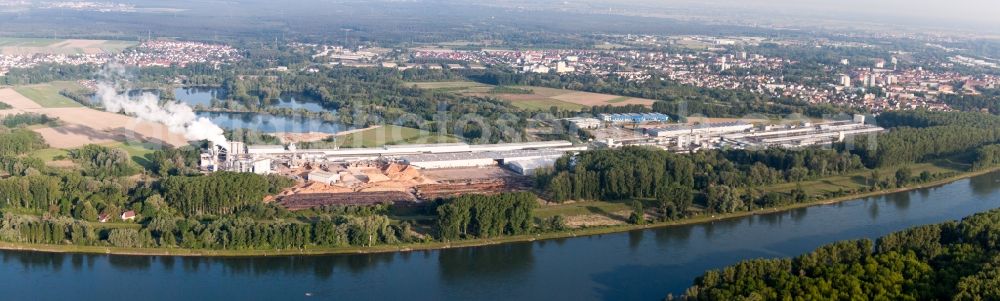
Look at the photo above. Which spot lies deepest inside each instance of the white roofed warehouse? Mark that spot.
(324, 177)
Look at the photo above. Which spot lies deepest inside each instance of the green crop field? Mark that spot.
(539, 98)
(581, 208)
(391, 134)
(446, 85)
(47, 95)
(136, 150)
(543, 104)
(49, 154)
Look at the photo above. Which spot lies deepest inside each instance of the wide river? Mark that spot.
(637, 265)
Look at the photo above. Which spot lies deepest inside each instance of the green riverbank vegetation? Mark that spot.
(957, 260)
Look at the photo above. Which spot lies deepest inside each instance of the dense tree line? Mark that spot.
(723, 180)
(47, 72)
(619, 174)
(916, 136)
(102, 161)
(988, 100)
(954, 260)
(485, 216)
(924, 118)
(19, 142)
(33, 192)
(26, 119)
(20, 166)
(62, 193)
(227, 233)
(220, 193)
(987, 156)
(174, 161)
(908, 145)
(81, 97)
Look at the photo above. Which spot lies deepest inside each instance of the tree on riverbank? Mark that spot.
(954, 260)
(486, 216)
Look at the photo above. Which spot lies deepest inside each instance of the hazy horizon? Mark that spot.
(919, 16)
(971, 15)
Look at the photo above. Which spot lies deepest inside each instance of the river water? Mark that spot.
(637, 265)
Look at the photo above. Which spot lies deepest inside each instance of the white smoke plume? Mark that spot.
(178, 117)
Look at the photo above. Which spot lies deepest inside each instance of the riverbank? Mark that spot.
(471, 242)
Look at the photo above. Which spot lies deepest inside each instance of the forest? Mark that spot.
(986, 100)
(957, 260)
(476, 216)
(722, 181)
(916, 136)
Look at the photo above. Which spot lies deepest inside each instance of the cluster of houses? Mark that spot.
(167, 53)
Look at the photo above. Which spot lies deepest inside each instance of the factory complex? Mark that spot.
(262, 159)
(392, 173)
(421, 172)
(736, 134)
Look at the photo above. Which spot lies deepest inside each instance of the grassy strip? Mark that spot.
(47, 95)
(462, 243)
(619, 99)
(392, 134)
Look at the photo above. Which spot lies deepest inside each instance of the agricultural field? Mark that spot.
(692, 44)
(536, 98)
(47, 95)
(456, 86)
(391, 134)
(16, 100)
(28, 46)
(80, 125)
(50, 154)
(610, 46)
(137, 151)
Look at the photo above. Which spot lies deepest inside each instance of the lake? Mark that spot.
(266, 123)
(636, 265)
(203, 96)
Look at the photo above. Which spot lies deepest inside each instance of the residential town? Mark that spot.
(721, 65)
(167, 53)
(882, 88)
(146, 54)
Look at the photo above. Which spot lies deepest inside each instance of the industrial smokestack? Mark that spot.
(178, 117)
